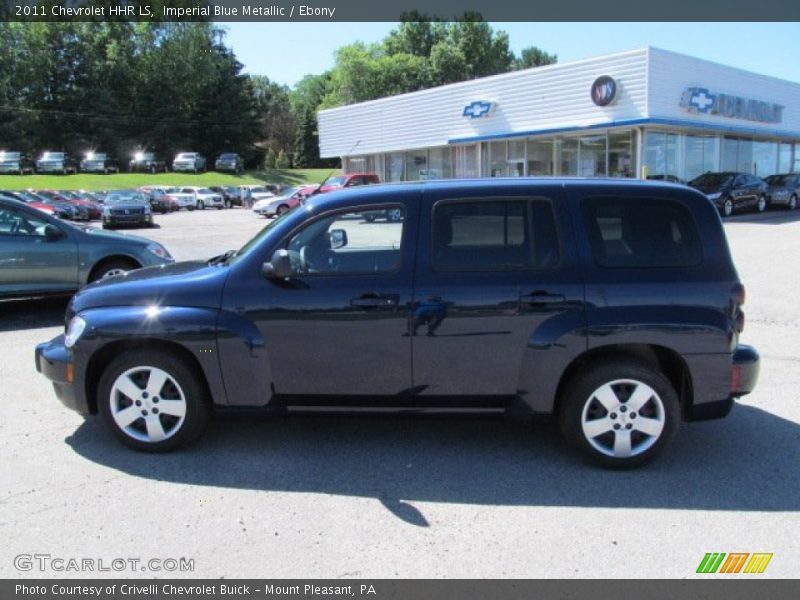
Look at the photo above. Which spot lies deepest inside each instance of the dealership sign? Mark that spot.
(700, 101)
(604, 90)
(478, 109)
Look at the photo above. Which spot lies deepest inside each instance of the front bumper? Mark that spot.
(54, 362)
(128, 219)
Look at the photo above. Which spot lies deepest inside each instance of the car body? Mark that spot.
(160, 199)
(16, 163)
(783, 189)
(34, 202)
(79, 199)
(731, 191)
(229, 162)
(99, 162)
(44, 255)
(78, 211)
(147, 162)
(189, 162)
(126, 208)
(204, 197)
(56, 162)
(590, 300)
(348, 181)
(287, 200)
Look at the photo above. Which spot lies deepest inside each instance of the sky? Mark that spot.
(285, 52)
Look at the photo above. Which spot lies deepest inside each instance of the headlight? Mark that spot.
(714, 196)
(158, 250)
(74, 331)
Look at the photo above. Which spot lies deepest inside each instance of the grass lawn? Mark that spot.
(132, 180)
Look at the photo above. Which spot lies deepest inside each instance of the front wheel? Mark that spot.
(727, 207)
(153, 401)
(761, 205)
(620, 413)
(112, 267)
(282, 210)
(792, 202)
(201, 205)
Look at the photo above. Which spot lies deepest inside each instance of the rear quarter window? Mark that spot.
(641, 233)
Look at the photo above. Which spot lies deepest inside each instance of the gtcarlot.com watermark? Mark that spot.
(71, 564)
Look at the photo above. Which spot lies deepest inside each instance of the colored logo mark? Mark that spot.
(478, 109)
(699, 100)
(734, 562)
(604, 90)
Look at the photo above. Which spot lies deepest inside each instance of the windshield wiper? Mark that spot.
(222, 258)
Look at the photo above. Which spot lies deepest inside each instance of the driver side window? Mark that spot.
(13, 222)
(348, 243)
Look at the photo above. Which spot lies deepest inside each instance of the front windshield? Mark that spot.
(185, 156)
(143, 156)
(9, 155)
(52, 156)
(228, 157)
(335, 181)
(712, 180)
(204, 191)
(778, 179)
(256, 239)
(95, 156)
(126, 198)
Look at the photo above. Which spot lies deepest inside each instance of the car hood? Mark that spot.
(115, 236)
(123, 206)
(193, 284)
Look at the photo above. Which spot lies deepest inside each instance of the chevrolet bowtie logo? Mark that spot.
(698, 99)
(478, 109)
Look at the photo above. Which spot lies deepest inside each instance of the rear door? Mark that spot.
(491, 269)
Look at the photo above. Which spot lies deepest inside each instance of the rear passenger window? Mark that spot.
(641, 233)
(494, 235)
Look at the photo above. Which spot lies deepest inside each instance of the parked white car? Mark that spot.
(278, 205)
(259, 192)
(204, 197)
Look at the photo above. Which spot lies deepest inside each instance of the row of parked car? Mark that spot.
(287, 199)
(18, 163)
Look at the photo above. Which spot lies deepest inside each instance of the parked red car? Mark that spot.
(74, 198)
(349, 180)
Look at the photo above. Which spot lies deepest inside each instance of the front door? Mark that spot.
(29, 260)
(490, 271)
(338, 324)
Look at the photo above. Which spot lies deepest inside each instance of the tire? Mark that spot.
(626, 388)
(152, 169)
(761, 203)
(201, 205)
(792, 203)
(190, 208)
(727, 207)
(282, 210)
(112, 267)
(166, 416)
(227, 203)
(369, 218)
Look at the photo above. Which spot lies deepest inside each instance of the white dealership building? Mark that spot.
(644, 113)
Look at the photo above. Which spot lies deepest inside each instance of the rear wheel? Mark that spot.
(282, 209)
(201, 205)
(153, 401)
(792, 202)
(619, 413)
(761, 204)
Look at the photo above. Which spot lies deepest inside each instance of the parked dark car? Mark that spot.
(16, 163)
(159, 200)
(231, 194)
(189, 162)
(732, 191)
(126, 208)
(612, 304)
(147, 162)
(78, 212)
(43, 255)
(77, 198)
(99, 162)
(230, 162)
(56, 162)
(783, 190)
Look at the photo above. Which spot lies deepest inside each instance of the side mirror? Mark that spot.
(279, 266)
(338, 238)
(53, 233)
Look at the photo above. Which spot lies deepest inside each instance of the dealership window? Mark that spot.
(785, 158)
(569, 156)
(497, 159)
(621, 156)
(516, 158)
(540, 157)
(700, 155)
(466, 161)
(737, 155)
(765, 158)
(592, 156)
(395, 167)
(416, 164)
(661, 155)
(439, 164)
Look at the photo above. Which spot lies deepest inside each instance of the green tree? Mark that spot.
(306, 145)
(534, 57)
(282, 160)
(270, 159)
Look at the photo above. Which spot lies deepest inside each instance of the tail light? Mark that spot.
(738, 295)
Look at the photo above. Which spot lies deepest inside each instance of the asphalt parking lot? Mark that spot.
(405, 497)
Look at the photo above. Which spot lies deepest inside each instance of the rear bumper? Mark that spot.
(53, 361)
(746, 366)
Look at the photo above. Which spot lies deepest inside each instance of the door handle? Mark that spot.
(538, 298)
(374, 300)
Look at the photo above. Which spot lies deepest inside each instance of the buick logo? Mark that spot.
(604, 91)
